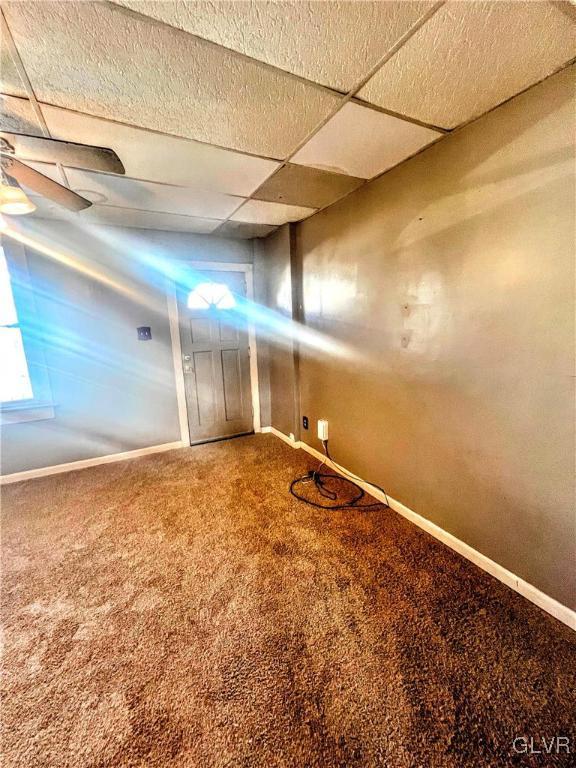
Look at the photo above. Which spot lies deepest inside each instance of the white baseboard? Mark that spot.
(287, 439)
(549, 604)
(30, 474)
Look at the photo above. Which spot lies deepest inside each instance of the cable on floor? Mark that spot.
(327, 485)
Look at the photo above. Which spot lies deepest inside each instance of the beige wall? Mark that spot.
(111, 392)
(276, 264)
(452, 281)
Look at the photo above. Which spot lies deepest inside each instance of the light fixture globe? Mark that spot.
(14, 201)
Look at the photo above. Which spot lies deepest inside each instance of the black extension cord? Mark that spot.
(321, 480)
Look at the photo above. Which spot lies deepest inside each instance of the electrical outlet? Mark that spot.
(322, 429)
(305, 422)
(144, 333)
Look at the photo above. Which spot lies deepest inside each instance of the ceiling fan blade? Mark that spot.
(37, 182)
(43, 150)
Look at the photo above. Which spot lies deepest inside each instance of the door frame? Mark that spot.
(174, 321)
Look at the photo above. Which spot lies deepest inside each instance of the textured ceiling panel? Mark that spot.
(109, 189)
(333, 43)
(119, 191)
(243, 230)
(259, 212)
(121, 217)
(299, 185)
(97, 59)
(470, 57)
(46, 209)
(124, 217)
(167, 159)
(362, 142)
(131, 193)
(10, 80)
(17, 116)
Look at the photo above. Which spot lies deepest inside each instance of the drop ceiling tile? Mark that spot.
(362, 142)
(333, 43)
(131, 193)
(243, 230)
(10, 81)
(260, 212)
(124, 192)
(124, 217)
(471, 56)
(311, 187)
(95, 58)
(46, 209)
(17, 116)
(155, 157)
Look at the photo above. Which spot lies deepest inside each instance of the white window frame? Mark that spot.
(41, 406)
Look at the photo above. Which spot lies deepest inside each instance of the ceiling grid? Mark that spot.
(21, 70)
(363, 80)
(232, 118)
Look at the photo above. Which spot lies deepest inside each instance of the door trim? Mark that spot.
(174, 321)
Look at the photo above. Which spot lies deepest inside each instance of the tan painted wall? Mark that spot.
(452, 279)
(275, 263)
(112, 393)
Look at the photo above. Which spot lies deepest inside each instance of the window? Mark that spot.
(15, 383)
(211, 296)
(25, 393)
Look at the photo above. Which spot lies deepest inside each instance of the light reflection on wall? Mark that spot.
(284, 295)
(126, 263)
(423, 314)
(328, 295)
(68, 260)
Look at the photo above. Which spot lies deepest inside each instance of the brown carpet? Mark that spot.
(184, 610)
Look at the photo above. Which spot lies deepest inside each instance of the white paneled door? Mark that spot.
(216, 356)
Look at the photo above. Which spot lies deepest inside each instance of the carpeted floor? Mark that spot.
(184, 610)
